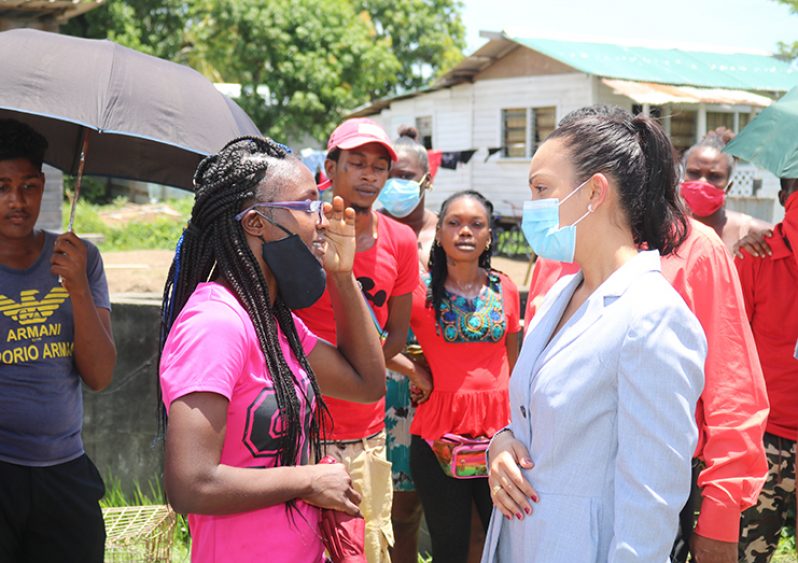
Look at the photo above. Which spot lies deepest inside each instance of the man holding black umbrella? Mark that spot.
(53, 336)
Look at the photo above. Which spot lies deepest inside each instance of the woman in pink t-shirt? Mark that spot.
(241, 377)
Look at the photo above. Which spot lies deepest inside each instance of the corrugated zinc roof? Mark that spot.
(670, 66)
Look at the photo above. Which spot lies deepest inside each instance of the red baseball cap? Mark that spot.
(354, 133)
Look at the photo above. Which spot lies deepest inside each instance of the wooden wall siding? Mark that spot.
(521, 62)
(469, 116)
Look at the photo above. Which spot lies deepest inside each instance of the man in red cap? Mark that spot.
(359, 157)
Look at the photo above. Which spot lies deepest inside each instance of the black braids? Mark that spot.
(224, 183)
(318, 422)
(438, 272)
(246, 267)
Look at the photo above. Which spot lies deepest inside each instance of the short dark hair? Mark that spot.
(789, 184)
(408, 136)
(638, 155)
(716, 139)
(334, 154)
(19, 140)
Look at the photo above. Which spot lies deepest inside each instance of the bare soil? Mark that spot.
(145, 271)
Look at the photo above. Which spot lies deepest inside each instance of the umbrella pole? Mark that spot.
(84, 147)
(83, 150)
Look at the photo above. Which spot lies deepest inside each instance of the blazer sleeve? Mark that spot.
(660, 378)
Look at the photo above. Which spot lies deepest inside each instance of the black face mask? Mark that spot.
(300, 278)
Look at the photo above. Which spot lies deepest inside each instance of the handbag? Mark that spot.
(461, 457)
(344, 536)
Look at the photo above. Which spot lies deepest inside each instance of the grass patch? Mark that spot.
(160, 233)
(150, 494)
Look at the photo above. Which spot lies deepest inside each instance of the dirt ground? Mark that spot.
(145, 271)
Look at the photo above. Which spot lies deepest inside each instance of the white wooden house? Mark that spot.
(511, 92)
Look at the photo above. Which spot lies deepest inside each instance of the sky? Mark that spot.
(741, 25)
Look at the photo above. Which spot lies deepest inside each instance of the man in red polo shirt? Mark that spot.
(359, 156)
(770, 289)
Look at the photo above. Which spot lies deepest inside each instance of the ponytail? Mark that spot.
(662, 221)
(638, 155)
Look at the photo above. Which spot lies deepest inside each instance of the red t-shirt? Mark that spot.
(470, 379)
(733, 406)
(388, 269)
(770, 290)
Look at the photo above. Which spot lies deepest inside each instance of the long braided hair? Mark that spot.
(214, 244)
(437, 257)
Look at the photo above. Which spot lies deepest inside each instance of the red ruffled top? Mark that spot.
(470, 377)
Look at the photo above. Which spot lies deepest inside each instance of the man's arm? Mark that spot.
(734, 406)
(94, 349)
(397, 325)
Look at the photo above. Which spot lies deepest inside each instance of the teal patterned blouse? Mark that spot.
(480, 319)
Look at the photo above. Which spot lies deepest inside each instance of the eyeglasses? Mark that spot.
(308, 206)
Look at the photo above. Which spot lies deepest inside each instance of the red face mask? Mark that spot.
(702, 198)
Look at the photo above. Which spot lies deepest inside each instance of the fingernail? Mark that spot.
(508, 516)
(519, 516)
(528, 510)
(535, 498)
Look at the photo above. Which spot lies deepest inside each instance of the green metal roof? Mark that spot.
(670, 66)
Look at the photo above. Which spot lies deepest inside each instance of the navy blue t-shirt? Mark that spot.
(41, 402)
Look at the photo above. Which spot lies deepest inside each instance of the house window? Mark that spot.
(717, 119)
(524, 129)
(514, 124)
(745, 119)
(424, 126)
(683, 129)
(653, 111)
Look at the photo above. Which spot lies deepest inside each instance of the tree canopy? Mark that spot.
(317, 59)
(789, 50)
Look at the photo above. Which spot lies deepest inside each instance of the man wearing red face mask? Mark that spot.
(770, 285)
(707, 175)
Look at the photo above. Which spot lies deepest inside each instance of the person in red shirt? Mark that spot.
(770, 288)
(359, 157)
(466, 317)
(733, 407)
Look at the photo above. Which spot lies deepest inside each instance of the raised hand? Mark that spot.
(339, 230)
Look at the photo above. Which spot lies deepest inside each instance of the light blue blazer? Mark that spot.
(607, 409)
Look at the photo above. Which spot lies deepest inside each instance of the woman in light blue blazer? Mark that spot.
(595, 465)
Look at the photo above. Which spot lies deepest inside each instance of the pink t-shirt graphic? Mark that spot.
(212, 347)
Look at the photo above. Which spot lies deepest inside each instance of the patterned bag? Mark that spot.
(461, 457)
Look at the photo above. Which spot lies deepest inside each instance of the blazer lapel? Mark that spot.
(593, 308)
(543, 325)
(590, 311)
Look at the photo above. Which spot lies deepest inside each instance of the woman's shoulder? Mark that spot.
(653, 300)
(211, 302)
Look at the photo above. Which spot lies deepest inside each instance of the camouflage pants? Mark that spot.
(761, 524)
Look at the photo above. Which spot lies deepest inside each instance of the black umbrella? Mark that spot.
(131, 115)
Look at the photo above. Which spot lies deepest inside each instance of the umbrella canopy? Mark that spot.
(146, 118)
(771, 139)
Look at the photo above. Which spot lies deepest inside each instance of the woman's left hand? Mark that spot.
(339, 231)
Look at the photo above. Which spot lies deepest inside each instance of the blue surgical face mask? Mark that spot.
(400, 197)
(541, 226)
